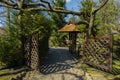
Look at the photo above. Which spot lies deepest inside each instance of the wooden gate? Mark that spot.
(98, 52)
(32, 52)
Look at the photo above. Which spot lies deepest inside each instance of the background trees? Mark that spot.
(30, 19)
(32, 22)
(58, 39)
(108, 18)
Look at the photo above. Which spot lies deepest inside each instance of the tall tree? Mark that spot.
(90, 9)
(86, 8)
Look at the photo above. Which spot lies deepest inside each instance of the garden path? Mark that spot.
(61, 65)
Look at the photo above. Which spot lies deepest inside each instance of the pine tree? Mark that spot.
(87, 8)
(58, 39)
(107, 16)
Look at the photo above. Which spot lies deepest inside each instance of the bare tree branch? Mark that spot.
(7, 6)
(12, 1)
(46, 2)
(56, 10)
(35, 4)
(61, 8)
(102, 5)
(45, 8)
(83, 22)
(92, 17)
(9, 3)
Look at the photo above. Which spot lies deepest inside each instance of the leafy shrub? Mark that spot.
(9, 51)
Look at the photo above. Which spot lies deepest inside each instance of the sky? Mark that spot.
(73, 5)
(1, 25)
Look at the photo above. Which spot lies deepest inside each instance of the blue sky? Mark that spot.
(73, 5)
(0, 25)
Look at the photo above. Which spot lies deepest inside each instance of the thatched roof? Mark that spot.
(69, 28)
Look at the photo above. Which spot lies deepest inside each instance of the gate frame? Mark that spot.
(110, 36)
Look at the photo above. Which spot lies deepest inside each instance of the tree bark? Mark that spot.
(92, 17)
(91, 24)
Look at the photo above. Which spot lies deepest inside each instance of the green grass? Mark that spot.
(4, 76)
(9, 73)
(96, 73)
(116, 64)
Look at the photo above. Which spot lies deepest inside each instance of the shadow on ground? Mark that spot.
(57, 60)
(16, 73)
(116, 78)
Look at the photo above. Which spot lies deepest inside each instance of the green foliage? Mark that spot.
(116, 64)
(9, 51)
(36, 22)
(86, 8)
(116, 47)
(10, 42)
(108, 18)
(105, 19)
(33, 22)
(58, 39)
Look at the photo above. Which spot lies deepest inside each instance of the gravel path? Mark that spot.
(61, 65)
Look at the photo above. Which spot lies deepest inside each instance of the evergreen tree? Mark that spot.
(87, 8)
(32, 22)
(36, 22)
(107, 16)
(58, 39)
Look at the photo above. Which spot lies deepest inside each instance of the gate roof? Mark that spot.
(69, 28)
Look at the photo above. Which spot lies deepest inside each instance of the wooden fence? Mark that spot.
(98, 52)
(101, 53)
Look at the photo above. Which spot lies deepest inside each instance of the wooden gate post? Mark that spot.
(35, 53)
(32, 50)
(72, 42)
(111, 51)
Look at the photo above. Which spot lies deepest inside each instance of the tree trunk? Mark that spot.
(92, 18)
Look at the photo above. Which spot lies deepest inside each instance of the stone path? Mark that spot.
(58, 60)
(61, 65)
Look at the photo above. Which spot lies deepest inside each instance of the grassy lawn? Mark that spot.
(101, 75)
(9, 73)
(4, 74)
